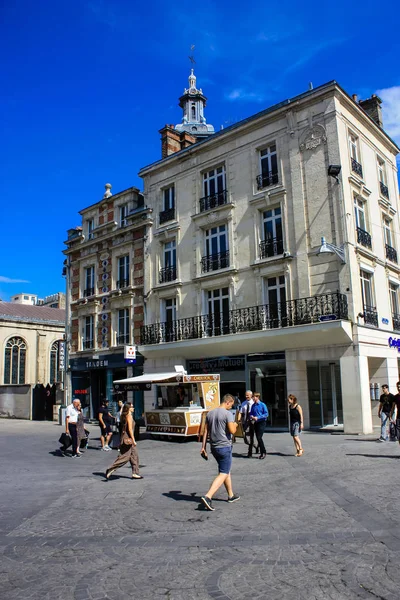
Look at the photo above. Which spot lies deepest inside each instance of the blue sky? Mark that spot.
(86, 85)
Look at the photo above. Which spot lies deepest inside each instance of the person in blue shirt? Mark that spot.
(259, 415)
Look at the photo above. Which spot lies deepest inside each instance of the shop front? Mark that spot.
(92, 382)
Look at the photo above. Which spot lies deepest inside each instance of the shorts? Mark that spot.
(223, 456)
(105, 430)
(295, 429)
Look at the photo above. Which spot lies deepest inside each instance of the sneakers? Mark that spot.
(233, 498)
(76, 456)
(105, 449)
(380, 440)
(207, 502)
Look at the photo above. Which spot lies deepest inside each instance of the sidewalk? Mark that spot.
(325, 525)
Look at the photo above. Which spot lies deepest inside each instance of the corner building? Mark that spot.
(104, 268)
(237, 280)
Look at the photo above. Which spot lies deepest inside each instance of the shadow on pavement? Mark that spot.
(178, 495)
(375, 455)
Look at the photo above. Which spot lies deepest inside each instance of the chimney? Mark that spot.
(172, 141)
(372, 107)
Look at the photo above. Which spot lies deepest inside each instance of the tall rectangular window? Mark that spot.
(168, 268)
(89, 282)
(90, 229)
(169, 198)
(123, 326)
(272, 242)
(218, 311)
(268, 167)
(214, 181)
(382, 178)
(359, 213)
(123, 272)
(394, 299)
(170, 319)
(367, 288)
(275, 296)
(123, 213)
(88, 332)
(387, 228)
(216, 247)
(353, 145)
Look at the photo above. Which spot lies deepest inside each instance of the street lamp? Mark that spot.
(327, 248)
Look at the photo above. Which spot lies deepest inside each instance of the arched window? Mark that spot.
(55, 374)
(15, 361)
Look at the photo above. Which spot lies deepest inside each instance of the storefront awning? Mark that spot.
(174, 377)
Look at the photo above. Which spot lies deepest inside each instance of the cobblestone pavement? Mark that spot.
(323, 526)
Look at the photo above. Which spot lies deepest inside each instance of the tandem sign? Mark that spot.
(394, 343)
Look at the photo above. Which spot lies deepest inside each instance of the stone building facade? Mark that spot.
(31, 344)
(237, 279)
(104, 268)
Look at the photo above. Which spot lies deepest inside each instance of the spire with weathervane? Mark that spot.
(193, 103)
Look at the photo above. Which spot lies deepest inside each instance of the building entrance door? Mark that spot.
(324, 393)
(270, 380)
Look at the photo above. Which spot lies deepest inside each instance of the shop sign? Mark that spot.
(80, 392)
(132, 387)
(165, 429)
(217, 365)
(385, 321)
(96, 364)
(61, 356)
(394, 343)
(130, 354)
(199, 378)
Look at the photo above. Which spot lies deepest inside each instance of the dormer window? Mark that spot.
(123, 213)
(89, 229)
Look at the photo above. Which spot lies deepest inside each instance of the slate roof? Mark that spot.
(10, 311)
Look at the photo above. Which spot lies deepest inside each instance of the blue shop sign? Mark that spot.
(394, 343)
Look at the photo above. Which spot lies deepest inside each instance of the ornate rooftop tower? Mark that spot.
(193, 103)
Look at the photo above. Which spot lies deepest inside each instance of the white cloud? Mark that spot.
(9, 280)
(241, 94)
(391, 111)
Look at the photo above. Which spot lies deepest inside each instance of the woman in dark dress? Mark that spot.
(296, 423)
(80, 428)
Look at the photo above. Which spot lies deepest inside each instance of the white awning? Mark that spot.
(153, 378)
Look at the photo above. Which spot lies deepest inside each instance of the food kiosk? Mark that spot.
(181, 400)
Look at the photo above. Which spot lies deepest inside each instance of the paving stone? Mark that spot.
(323, 527)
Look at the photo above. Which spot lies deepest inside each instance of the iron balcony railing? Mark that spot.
(167, 215)
(356, 167)
(122, 283)
(167, 274)
(370, 315)
(272, 247)
(213, 200)
(88, 344)
(88, 292)
(213, 262)
(391, 253)
(302, 311)
(396, 321)
(384, 190)
(123, 338)
(267, 179)
(364, 238)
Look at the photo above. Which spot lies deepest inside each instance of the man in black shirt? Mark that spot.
(105, 420)
(385, 408)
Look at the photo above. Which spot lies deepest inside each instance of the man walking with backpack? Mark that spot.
(385, 408)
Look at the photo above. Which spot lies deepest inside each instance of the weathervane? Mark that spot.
(191, 58)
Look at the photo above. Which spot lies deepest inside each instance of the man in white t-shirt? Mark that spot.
(71, 419)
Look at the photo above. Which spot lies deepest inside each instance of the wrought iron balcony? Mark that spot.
(302, 311)
(364, 238)
(214, 262)
(391, 253)
(88, 344)
(356, 167)
(266, 179)
(122, 338)
(396, 321)
(384, 190)
(272, 247)
(167, 215)
(88, 292)
(122, 283)
(213, 200)
(167, 274)
(370, 315)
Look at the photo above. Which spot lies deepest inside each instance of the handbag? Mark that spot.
(125, 439)
(65, 440)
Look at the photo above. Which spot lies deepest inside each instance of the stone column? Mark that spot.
(357, 416)
(296, 384)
